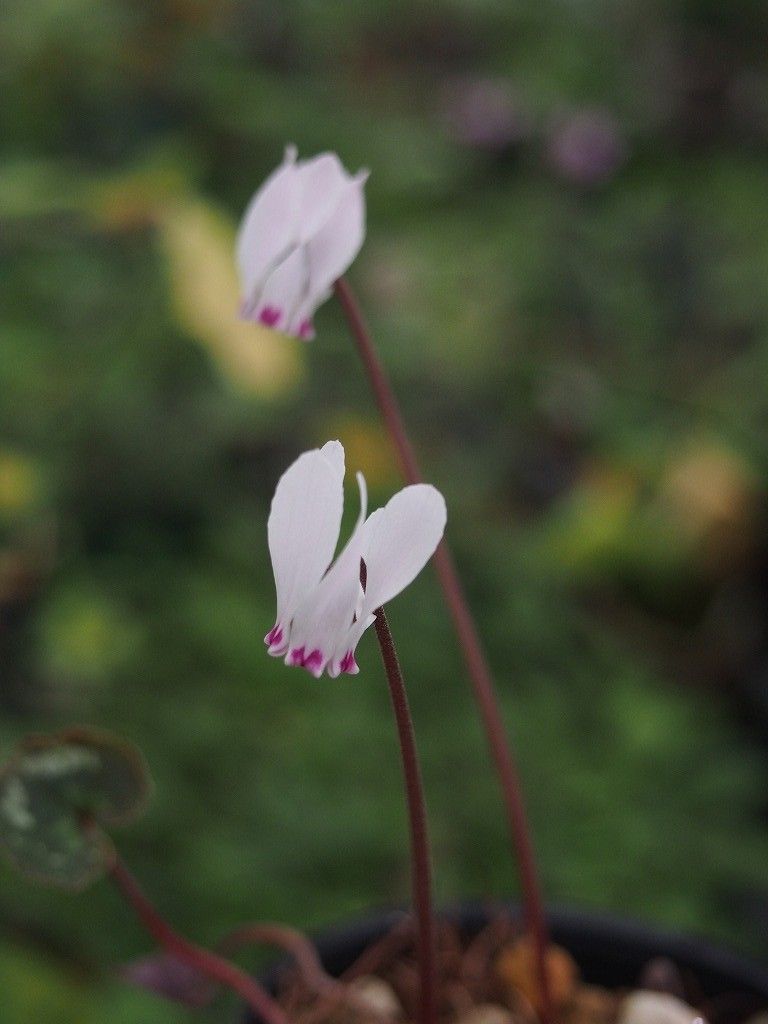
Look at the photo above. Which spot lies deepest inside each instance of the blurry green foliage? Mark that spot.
(578, 328)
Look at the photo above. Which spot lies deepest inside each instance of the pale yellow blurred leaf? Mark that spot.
(367, 447)
(19, 483)
(708, 484)
(198, 242)
(711, 492)
(596, 515)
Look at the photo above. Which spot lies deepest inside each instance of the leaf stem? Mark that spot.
(471, 648)
(417, 815)
(210, 964)
(330, 991)
(294, 942)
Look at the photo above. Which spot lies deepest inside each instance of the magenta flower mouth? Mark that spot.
(270, 316)
(275, 636)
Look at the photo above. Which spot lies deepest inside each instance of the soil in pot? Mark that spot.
(602, 971)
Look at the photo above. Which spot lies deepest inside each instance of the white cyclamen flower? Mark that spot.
(300, 232)
(322, 608)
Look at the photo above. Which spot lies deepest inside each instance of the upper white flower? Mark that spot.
(300, 232)
(322, 608)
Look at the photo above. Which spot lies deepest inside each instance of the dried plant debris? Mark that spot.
(516, 968)
(490, 978)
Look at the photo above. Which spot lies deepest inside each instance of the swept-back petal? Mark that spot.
(330, 253)
(399, 540)
(270, 225)
(335, 246)
(322, 181)
(334, 452)
(304, 524)
(323, 620)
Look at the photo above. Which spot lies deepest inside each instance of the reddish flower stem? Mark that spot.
(417, 815)
(471, 648)
(293, 942)
(210, 964)
(330, 991)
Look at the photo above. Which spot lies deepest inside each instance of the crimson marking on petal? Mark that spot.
(313, 660)
(348, 663)
(274, 636)
(306, 330)
(297, 656)
(270, 316)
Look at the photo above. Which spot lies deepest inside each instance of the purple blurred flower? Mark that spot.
(588, 147)
(485, 113)
(169, 977)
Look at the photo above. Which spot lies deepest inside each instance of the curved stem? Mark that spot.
(331, 991)
(417, 814)
(210, 964)
(292, 941)
(471, 648)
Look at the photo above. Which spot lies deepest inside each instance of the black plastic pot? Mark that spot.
(609, 951)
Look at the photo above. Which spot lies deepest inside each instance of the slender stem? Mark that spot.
(417, 814)
(293, 942)
(330, 991)
(210, 964)
(377, 378)
(471, 647)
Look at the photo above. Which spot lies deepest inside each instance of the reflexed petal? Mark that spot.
(334, 452)
(284, 291)
(323, 620)
(344, 658)
(270, 225)
(400, 539)
(333, 249)
(303, 528)
(322, 182)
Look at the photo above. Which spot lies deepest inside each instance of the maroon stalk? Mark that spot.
(330, 991)
(471, 648)
(293, 942)
(210, 964)
(417, 815)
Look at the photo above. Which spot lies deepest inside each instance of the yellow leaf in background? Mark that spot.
(710, 491)
(198, 242)
(367, 448)
(709, 484)
(131, 199)
(596, 515)
(19, 483)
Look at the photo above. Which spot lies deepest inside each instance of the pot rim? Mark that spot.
(620, 945)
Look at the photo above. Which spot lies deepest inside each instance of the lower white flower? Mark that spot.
(322, 607)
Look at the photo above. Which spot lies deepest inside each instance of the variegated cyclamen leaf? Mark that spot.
(51, 786)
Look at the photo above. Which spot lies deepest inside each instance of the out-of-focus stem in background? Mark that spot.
(471, 648)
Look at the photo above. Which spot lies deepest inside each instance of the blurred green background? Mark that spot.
(566, 271)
